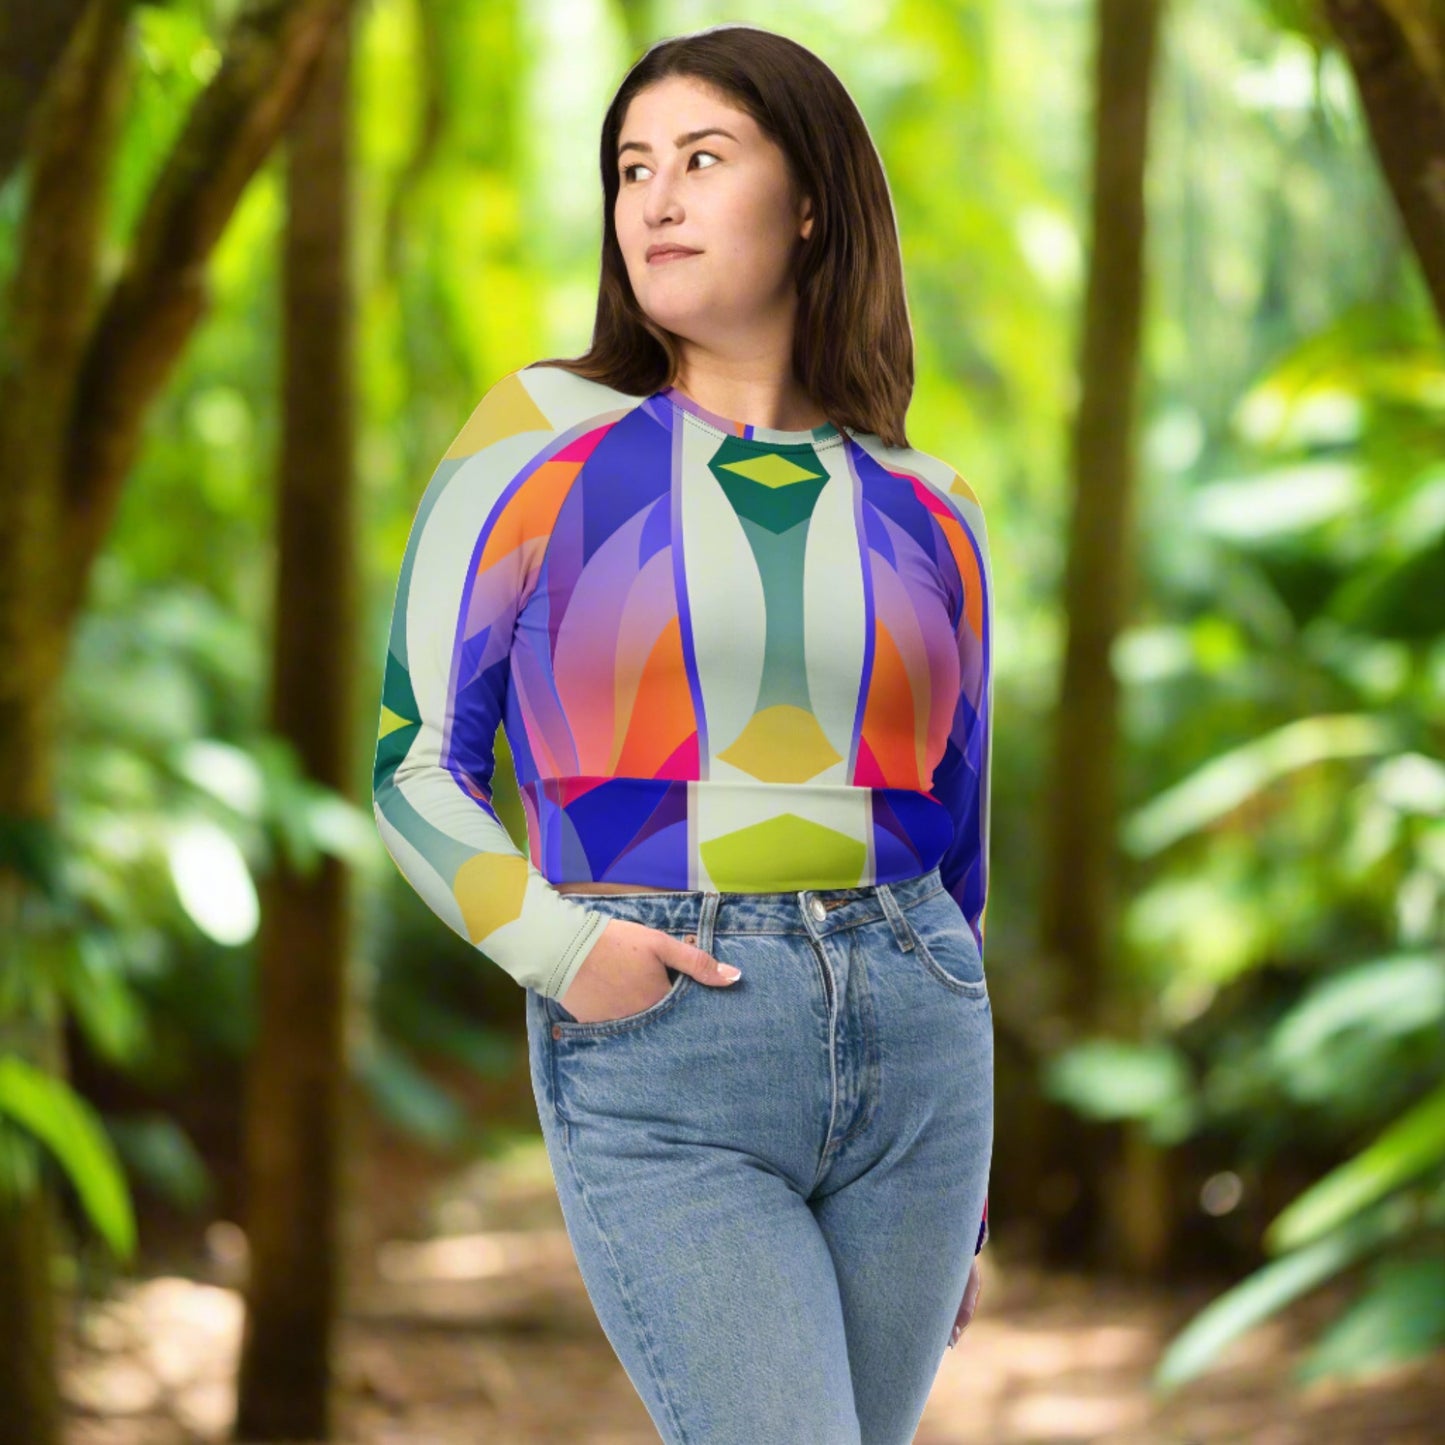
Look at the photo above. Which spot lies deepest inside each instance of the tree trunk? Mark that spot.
(1078, 906)
(1396, 49)
(159, 297)
(78, 373)
(32, 40)
(47, 307)
(297, 1080)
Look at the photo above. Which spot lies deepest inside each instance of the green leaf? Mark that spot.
(1366, 1006)
(107, 1010)
(56, 1115)
(1112, 1079)
(1267, 1291)
(1412, 1144)
(157, 1150)
(1406, 601)
(1287, 500)
(32, 848)
(409, 1098)
(1215, 790)
(1400, 1318)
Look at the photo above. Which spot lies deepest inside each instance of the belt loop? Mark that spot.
(706, 919)
(895, 917)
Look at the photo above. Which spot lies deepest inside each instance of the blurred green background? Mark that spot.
(1238, 1101)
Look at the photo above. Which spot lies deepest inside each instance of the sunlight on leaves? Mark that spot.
(213, 882)
(224, 771)
(1412, 783)
(1214, 790)
(1278, 503)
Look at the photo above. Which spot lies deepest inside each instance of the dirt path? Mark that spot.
(468, 1322)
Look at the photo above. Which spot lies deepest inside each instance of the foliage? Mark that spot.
(1284, 684)
(1293, 934)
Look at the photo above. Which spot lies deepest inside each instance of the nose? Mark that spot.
(662, 203)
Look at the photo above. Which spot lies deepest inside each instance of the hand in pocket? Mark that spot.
(626, 971)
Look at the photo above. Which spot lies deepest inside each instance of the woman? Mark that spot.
(738, 633)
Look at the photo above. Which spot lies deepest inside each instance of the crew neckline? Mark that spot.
(745, 431)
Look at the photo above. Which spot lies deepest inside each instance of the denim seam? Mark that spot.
(794, 932)
(872, 1066)
(628, 1022)
(908, 907)
(902, 934)
(549, 1044)
(707, 921)
(832, 1058)
(723, 932)
(962, 987)
(639, 1320)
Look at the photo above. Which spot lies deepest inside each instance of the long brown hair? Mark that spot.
(852, 342)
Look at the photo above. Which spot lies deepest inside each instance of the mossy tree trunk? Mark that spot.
(1396, 49)
(80, 366)
(297, 1081)
(1078, 930)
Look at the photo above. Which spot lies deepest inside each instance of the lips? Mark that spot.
(668, 253)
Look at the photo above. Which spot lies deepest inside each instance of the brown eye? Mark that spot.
(624, 173)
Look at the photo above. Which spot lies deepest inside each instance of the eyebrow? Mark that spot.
(685, 139)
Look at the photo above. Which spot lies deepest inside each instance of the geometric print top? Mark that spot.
(726, 657)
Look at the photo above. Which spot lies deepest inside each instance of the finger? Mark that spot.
(702, 966)
(966, 1309)
(970, 1295)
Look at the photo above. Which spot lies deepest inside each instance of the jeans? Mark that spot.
(773, 1188)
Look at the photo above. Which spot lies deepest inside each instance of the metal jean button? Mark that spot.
(819, 912)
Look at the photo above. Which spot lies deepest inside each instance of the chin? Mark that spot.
(684, 321)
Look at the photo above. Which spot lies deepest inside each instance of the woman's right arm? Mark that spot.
(470, 563)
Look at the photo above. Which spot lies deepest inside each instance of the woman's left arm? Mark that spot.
(962, 778)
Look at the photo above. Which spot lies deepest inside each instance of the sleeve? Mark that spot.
(471, 561)
(962, 780)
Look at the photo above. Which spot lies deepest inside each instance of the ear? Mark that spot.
(807, 229)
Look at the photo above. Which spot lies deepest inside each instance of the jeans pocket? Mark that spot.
(564, 1025)
(945, 944)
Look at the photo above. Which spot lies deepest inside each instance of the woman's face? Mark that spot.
(726, 195)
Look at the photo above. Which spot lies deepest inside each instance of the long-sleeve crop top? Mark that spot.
(726, 657)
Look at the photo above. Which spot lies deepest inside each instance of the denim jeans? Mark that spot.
(773, 1188)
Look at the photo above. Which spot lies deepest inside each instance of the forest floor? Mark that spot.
(466, 1321)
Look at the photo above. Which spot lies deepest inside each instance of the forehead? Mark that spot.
(681, 103)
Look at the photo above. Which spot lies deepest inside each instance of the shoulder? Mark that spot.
(942, 479)
(526, 409)
(509, 470)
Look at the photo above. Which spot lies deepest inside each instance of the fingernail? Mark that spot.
(729, 972)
